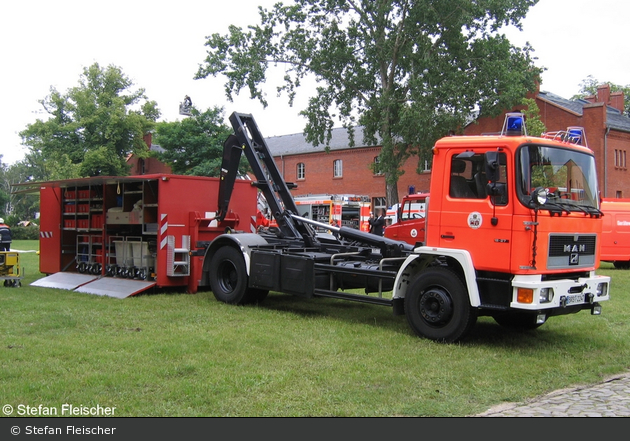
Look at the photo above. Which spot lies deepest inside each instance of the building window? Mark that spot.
(300, 170)
(620, 158)
(379, 203)
(427, 165)
(337, 168)
(377, 167)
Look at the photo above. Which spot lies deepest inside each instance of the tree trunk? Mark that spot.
(391, 193)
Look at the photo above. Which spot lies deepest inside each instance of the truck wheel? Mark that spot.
(517, 320)
(437, 306)
(622, 264)
(228, 277)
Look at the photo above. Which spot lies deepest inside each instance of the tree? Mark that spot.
(92, 128)
(409, 71)
(533, 123)
(588, 87)
(16, 206)
(194, 146)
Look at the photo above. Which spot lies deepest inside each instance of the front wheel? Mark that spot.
(437, 306)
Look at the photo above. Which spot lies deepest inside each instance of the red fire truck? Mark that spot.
(336, 209)
(409, 219)
(616, 232)
(497, 242)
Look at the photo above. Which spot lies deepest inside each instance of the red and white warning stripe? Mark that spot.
(163, 227)
(46, 234)
(252, 224)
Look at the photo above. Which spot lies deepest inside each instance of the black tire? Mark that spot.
(437, 306)
(518, 321)
(622, 264)
(228, 277)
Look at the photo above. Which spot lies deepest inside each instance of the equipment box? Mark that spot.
(124, 217)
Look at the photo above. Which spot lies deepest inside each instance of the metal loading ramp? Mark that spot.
(69, 281)
(103, 286)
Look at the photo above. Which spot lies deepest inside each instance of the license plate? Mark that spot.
(575, 298)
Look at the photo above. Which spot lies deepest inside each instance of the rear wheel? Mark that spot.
(437, 306)
(622, 264)
(228, 278)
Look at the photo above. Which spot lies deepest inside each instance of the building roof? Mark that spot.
(296, 144)
(615, 119)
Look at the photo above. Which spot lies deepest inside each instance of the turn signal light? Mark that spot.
(525, 295)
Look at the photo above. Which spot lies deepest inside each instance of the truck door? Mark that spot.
(473, 220)
(411, 222)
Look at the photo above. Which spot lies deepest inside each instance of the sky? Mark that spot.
(160, 45)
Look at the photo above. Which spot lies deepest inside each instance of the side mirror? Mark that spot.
(492, 166)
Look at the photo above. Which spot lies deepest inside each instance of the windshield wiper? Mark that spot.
(568, 207)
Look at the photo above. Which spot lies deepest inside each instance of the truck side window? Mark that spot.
(461, 179)
(469, 181)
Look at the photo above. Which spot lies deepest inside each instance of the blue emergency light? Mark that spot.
(514, 124)
(575, 133)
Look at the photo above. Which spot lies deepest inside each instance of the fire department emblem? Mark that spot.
(475, 220)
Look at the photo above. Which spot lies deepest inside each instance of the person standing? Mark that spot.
(377, 224)
(5, 236)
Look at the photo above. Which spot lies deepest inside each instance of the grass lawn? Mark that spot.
(176, 355)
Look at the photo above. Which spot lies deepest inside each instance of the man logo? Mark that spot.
(574, 259)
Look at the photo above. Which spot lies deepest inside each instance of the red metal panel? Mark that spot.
(184, 198)
(50, 230)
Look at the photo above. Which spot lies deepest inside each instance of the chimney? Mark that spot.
(603, 94)
(618, 101)
(148, 139)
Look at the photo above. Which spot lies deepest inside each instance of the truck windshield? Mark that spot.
(568, 176)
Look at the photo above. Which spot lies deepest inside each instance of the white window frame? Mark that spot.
(337, 168)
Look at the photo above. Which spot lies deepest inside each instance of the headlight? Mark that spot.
(538, 197)
(602, 289)
(546, 295)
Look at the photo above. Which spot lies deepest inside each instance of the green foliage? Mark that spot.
(409, 72)
(194, 146)
(589, 86)
(20, 206)
(92, 127)
(30, 232)
(535, 126)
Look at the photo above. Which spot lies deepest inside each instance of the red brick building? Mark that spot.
(342, 170)
(147, 166)
(345, 170)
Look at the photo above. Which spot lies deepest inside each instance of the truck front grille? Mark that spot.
(569, 251)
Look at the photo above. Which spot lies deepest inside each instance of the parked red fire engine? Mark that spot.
(496, 244)
(616, 232)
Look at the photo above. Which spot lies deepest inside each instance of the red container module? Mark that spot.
(163, 220)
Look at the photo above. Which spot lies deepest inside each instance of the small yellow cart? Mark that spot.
(10, 270)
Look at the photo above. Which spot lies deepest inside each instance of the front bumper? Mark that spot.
(531, 293)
